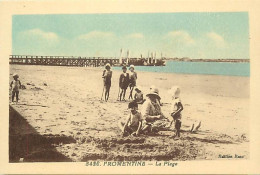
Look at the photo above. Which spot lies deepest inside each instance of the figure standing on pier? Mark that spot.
(15, 85)
(107, 75)
(132, 81)
(123, 83)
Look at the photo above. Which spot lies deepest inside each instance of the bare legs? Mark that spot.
(131, 93)
(122, 94)
(178, 127)
(15, 93)
(107, 93)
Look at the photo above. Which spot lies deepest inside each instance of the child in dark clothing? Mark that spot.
(123, 83)
(107, 75)
(132, 80)
(15, 85)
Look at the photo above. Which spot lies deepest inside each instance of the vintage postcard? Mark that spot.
(129, 87)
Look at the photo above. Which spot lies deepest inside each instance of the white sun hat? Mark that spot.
(15, 75)
(107, 65)
(175, 91)
(132, 66)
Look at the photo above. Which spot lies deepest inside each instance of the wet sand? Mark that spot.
(63, 105)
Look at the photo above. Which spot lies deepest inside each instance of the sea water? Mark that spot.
(212, 68)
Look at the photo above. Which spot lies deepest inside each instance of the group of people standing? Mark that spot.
(125, 80)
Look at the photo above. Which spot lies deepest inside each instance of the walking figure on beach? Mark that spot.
(133, 123)
(176, 108)
(132, 81)
(123, 83)
(107, 75)
(15, 85)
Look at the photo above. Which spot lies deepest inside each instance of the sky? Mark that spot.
(193, 35)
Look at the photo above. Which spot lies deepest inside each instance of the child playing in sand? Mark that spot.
(107, 75)
(133, 124)
(132, 80)
(123, 83)
(139, 97)
(176, 108)
(15, 85)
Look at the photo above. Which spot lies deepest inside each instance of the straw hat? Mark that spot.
(107, 65)
(15, 75)
(175, 91)
(132, 66)
(154, 91)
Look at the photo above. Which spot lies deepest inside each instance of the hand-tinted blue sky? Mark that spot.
(194, 35)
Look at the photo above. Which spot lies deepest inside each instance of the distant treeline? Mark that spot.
(209, 60)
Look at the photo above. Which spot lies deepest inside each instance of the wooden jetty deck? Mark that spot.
(81, 61)
(62, 60)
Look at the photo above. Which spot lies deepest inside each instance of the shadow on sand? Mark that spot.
(209, 140)
(27, 145)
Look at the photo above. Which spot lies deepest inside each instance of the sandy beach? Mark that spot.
(62, 117)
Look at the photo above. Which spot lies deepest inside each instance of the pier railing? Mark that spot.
(62, 60)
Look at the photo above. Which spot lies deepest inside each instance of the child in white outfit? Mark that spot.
(176, 108)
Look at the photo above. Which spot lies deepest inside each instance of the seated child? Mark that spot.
(139, 97)
(133, 123)
(176, 108)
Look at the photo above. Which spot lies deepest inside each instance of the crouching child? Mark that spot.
(133, 123)
(139, 97)
(176, 108)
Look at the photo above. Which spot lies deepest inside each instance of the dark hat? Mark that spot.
(124, 67)
(138, 88)
(132, 104)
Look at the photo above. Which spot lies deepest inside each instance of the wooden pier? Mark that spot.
(81, 61)
(62, 60)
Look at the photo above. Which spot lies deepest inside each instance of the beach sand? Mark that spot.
(60, 117)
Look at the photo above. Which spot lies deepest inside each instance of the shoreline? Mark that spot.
(102, 68)
(209, 60)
